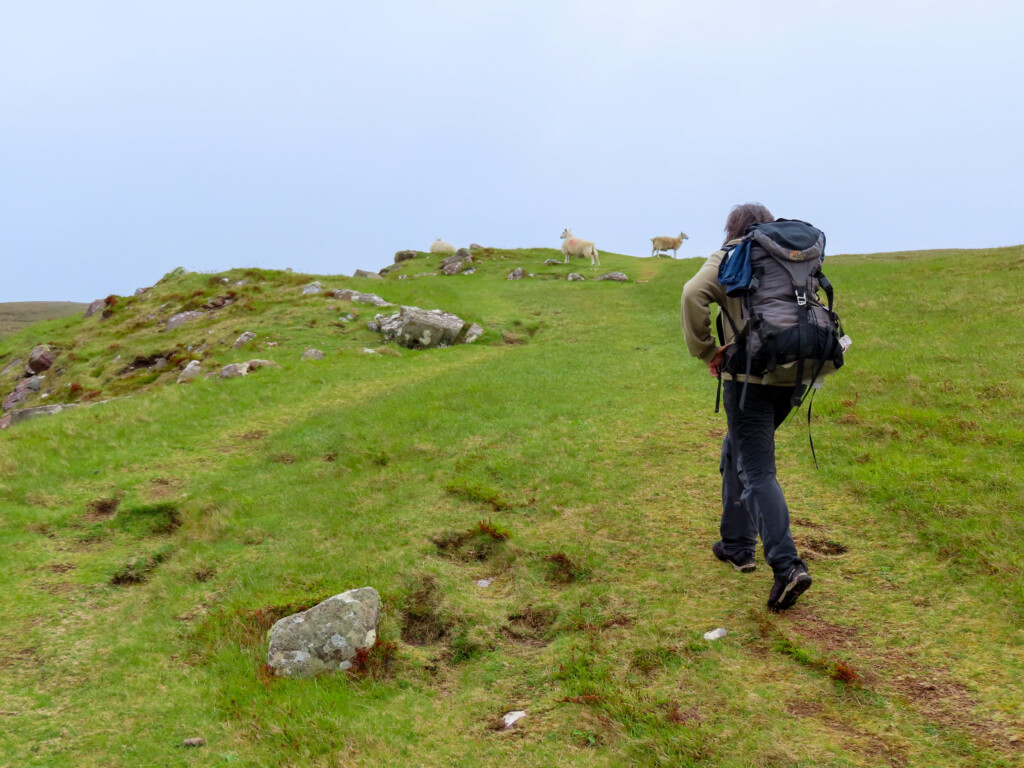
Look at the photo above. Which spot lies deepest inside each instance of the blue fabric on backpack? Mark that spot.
(734, 273)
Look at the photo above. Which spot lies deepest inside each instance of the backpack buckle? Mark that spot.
(801, 298)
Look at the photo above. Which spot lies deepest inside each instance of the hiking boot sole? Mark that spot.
(793, 590)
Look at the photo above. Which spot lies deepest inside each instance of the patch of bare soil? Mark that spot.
(823, 634)
(531, 626)
(423, 618)
(101, 509)
(815, 548)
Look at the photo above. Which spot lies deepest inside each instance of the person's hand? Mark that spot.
(715, 366)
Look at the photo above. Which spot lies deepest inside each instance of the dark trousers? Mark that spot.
(752, 500)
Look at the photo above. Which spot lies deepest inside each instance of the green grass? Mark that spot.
(570, 455)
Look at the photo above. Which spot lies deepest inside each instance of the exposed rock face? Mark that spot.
(575, 276)
(314, 287)
(474, 333)
(367, 273)
(140, 291)
(404, 256)
(362, 298)
(93, 308)
(416, 328)
(191, 371)
(619, 277)
(327, 636)
(454, 267)
(178, 320)
(245, 338)
(24, 414)
(39, 359)
(16, 397)
(234, 370)
(475, 247)
(313, 354)
(516, 274)
(34, 384)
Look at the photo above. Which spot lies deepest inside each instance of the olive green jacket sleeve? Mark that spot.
(699, 293)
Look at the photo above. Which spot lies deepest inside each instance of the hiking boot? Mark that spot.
(744, 562)
(788, 588)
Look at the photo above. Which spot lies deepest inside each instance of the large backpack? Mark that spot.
(786, 335)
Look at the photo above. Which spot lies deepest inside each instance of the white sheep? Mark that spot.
(668, 244)
(440, 246)
(573, 246)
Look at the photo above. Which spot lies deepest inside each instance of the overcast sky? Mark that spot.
(324, 136)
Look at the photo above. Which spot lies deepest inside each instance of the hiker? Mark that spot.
(752, 500)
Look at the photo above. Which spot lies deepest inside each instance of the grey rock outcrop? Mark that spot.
(189, 372)
(93, 308)
(575, 277)
(619, 277)
(325, 637)
(16, 397)
(245, 338)
(363, 298)
(475, 247)
(314, 287)
(416, 328)
(178, 320)
(39, 359)
(474, 332)
(516, 274)
(454, 267)
(401, 256)
(34, 384)
(367, 273)
(140, 291)
(313, 354)
(234, 370)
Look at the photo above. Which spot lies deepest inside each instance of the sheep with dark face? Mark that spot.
(668, 244)
(574, 246)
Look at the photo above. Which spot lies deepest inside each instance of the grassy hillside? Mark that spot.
(18, 315)
(151, 540)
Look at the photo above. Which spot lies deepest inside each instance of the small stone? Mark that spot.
(178, 320)
(511, 718)
(470, 271)
(575, 277)
(367, 274)
(368, 351)
(314, 287)
(554, 262)
(245, 338)
(404, 256)
(716, 634)
(516, 274)
(484, 583)
(191, 371)
(313, 354)
(140, 291)
(474, 333)
(234, 370)
(35, 383)
(619, 277)
(195, 741)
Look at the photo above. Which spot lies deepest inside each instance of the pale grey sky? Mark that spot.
(324, 136)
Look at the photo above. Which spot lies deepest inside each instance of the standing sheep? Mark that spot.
(573, 246)
(668, 244)
(440, 246)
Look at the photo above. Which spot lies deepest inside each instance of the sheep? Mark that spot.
(668, 244)
(440, 246)
(573, 246)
